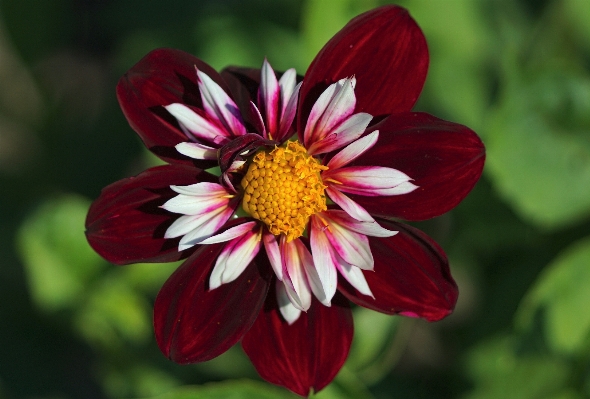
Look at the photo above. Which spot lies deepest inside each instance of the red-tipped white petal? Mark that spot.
(331, 109)
(234, 258)
(269, 93)
(294, 277)
(350, 245)
(196, 150)
(350, 130)
(354, 150)
(193, 200)
(349, 206)
(231, 233)
(371, 180)
(196, 126)
(273, 253)
(219, 105)
(199, 227)
(368, 228)
(289, 101)
(289, 312)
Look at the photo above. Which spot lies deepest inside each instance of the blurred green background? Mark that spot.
(517, 72)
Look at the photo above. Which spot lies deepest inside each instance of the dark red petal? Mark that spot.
(194, 324)
(444, 159)
(162, 77)
(126, 224)
(385, 50)
(411, 276)
(303, 356)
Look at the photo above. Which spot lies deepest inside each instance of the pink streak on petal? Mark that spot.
(353, 151)
(294, 274)
(289, 312)
(231, 233)
(269, 93)
(220, 106)
(234, 258)
(274, 254)
(347, 132)
(348, 205)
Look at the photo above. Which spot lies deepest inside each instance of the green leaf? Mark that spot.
(560, 296)
(237, 389)
(58, 260)
(538, 147)
(498, 370)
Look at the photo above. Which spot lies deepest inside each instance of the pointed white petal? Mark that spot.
(196, 150)
(353, 151)
(323, 260)
(347, 132)
(193, 205)
(289, 312)
(371, 180)
(204, 189)
(348, 205)
(220, 106)
(274, 254)
(355, 277)
(318, 109)
(231, 233)
(205, 227)
(196, 125)
(234, 258)
(351, 246)
(368, 228)
(288, 115)
(294, 272)
(269, 93)
(338, 109)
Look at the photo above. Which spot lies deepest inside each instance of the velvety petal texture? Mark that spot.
(443, 159)
(194, 323)
(161, 78)
(305, 355)
(411, 276)
(126, 224)
(385, 50)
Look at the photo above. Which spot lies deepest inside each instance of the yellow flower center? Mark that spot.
(283, 188)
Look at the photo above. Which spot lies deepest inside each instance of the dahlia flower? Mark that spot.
(302, 217)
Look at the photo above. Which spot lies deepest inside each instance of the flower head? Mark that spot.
(314, 173)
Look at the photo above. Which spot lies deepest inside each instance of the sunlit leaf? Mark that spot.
(499, 370)
(57, 258)
(561, 296)
(538, 147)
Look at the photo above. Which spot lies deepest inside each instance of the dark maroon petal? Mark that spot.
(162, 77)
(303, 356)
(126, 224)
(385, 50)
(194, 324)
(444, 159)
(411, 276)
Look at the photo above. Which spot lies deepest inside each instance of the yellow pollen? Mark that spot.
(283, 188)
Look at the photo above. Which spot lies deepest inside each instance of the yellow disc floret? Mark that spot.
(283, 188)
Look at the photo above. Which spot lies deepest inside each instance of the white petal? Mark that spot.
(350, 130)
(289, 312)
(351, 246)
(294, 275)
(207, 226)
(274, 254)
(323, 260)
(368, 228)
(288, 115)
(231, 233)
(220, 106)
(371, 180)
(269, 96)
(196, 125)
(353, 151)
(193, 205)
(204, 189)
(234, 258)
(355, 277)
(348, 205)
(196, 150)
